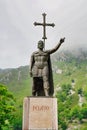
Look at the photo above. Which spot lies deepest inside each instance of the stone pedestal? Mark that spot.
(40, 113)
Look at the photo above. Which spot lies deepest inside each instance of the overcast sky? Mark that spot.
(19, 37)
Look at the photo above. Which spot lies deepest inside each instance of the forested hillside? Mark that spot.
(70, 79)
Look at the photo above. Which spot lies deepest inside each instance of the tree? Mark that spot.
(84, 112)
(6, 107)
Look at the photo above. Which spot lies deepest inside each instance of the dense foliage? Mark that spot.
(68, 109)
(6, 108)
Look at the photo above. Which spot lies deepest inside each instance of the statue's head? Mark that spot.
(40, 44)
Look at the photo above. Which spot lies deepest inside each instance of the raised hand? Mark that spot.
(62, 40)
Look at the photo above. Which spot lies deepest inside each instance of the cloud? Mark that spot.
(19, 37)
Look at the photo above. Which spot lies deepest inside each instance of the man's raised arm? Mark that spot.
(57, 46)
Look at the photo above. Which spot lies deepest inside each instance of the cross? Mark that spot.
(44, 24)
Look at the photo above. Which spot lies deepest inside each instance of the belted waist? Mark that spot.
(41, 66)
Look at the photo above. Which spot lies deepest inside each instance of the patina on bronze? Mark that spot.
(41, 70)
(44, 24)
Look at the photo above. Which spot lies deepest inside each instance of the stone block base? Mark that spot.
(40, 113)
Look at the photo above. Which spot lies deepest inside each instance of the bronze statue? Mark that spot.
(41, 70)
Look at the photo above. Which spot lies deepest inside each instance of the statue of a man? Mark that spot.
(41, 70)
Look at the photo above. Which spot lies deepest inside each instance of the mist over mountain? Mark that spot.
(80, 53)
(65, 55)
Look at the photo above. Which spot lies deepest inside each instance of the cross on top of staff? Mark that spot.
(44, 24)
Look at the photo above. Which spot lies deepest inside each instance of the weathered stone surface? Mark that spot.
(40, 113)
